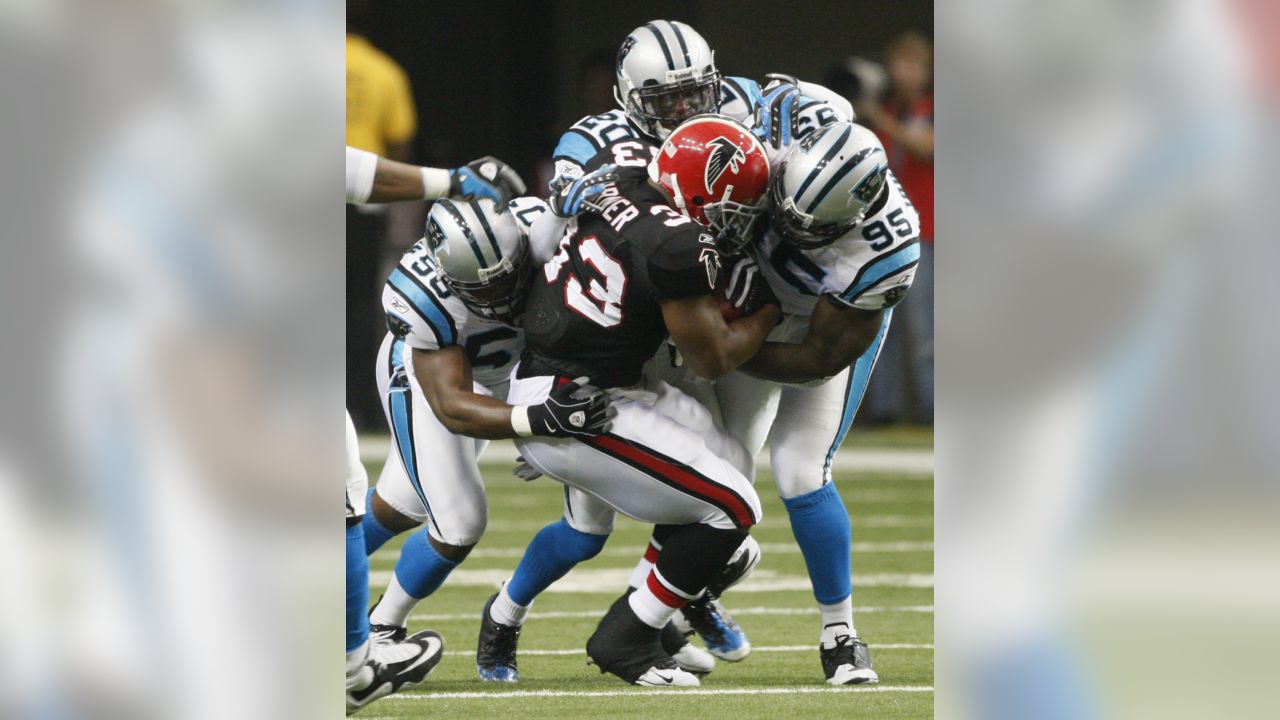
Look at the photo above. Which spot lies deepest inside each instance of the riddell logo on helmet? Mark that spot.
(725, 155)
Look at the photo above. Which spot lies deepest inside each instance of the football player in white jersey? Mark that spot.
(666, 74)
(373, 671)
(452, 306)
(841, 251)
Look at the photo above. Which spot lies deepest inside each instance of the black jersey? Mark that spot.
(594, 309)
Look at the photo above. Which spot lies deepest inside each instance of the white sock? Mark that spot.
(505, 611)
(649, 607)
(394, 607)
(355, 660)
(837, 620)
(641, 573)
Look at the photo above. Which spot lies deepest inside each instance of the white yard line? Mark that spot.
(737, 612)
(373, 448)
(650, 692)
(611, 580)
(768, 548)
(754, 648)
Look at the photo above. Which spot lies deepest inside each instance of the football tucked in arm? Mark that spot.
(742, 289)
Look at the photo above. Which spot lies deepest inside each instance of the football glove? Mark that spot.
(776, 120)
(574, 409)
(488, 178)
(572, 196)
(524, 470)
(747, 288)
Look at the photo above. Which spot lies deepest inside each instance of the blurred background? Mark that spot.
(440, 84)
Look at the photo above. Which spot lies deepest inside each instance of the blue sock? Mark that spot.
(420, 568)
(821, 526)
(552, 553)
(357, 589)
(375, 533)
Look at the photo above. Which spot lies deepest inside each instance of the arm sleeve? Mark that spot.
(884, 281)
(683, 266)
(361, 167)
(545, 235)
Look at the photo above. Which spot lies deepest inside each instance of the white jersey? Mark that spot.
(741, 99)
(428, 316)
(869, 268)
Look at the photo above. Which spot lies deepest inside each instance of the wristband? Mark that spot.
(520, 421)
(436, 183)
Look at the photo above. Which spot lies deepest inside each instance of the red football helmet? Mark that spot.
(717, 173)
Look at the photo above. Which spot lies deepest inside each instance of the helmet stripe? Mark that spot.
(493, 239)
(849, 165)
(666, 50)
(822, 164)
(466, 230)
(688, 62)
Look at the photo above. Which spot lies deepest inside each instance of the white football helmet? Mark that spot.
(825, 184)
(666, 74)
(482, 256)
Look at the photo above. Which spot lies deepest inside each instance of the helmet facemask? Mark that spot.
(659, 109)
(735, 224)
(803, 229)
(501, 291)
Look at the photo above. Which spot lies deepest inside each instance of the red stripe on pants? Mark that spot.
(682, 476)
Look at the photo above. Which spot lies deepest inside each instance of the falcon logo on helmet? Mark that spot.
(715, 172)
(725, 155)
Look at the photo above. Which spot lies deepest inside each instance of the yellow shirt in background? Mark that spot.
(379, 102)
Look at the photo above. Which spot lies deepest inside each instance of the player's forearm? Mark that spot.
(792, 363)
(473, 415)
(741, 340)
(397, 181)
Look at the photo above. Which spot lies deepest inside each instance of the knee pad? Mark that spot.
(744, 560)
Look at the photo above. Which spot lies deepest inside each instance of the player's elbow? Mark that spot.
(451, 411)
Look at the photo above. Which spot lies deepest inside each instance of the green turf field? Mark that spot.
(892, 515)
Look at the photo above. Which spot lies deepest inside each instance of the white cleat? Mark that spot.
(694, 659)
(674, 677)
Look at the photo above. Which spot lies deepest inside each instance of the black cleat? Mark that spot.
(623, 645)
(387, 634)
(848, 662)
(496, 651)
(394, 667)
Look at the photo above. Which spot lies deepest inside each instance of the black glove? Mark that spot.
(572, 409)
(487, 177)
(747, 288)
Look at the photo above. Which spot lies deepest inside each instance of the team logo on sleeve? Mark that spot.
(710, 260)
(725, 155)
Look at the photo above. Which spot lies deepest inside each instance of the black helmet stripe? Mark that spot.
(456, 214)
(688, 61)
(493, 239)
(666, 49)
(849, 164)
(822, 164)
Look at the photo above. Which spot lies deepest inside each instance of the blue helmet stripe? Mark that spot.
(493, 239)
(845, 169)
(666, 51)
(688, 62)
(822, 164)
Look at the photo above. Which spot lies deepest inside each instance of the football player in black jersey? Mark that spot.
(645, 266)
